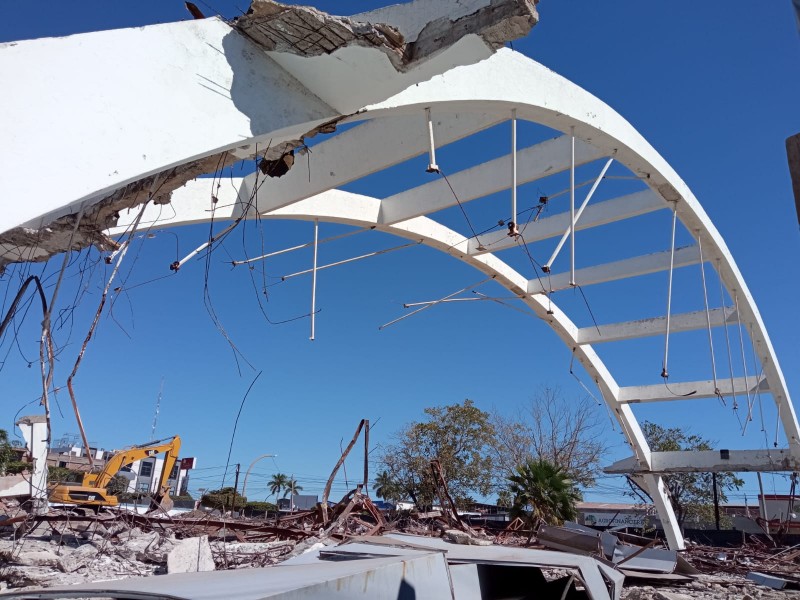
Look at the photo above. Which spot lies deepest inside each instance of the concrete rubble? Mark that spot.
(58, 549)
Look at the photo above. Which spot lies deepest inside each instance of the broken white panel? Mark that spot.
(134, 102)
(442, 35)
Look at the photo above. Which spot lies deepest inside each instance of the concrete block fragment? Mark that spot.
(190, 556)
(80, 557)
(37, 558)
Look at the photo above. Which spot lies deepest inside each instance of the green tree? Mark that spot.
(564, 431)
(277, 483)
(222, 499)
(543, 493)
(505, 499)
(691, 494)
(6, 454)
(387, 488)
(459, 436)
(63, 475)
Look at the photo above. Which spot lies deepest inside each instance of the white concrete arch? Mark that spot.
(468, 99)
(465, 86)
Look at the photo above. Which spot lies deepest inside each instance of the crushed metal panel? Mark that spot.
(601, 582)
(767, 580)
(655, 560)
(422, 576)
(568, 540)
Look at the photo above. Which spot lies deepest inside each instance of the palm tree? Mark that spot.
(385, 486)
(543, 493)
(277, 483)
(291, 487)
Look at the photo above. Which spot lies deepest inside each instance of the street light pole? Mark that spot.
(244, 485)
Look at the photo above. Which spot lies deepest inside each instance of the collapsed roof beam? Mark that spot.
(692, 390)
(601, 213)
(622, 269)
(709, 461)
(628, 330)
(534, 162)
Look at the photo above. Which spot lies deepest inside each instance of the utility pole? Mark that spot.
(366, 457)
(235, 487)
(716, 499)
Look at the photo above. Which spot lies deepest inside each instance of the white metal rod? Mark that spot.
(349, 260)
(664, 371)
(506, 304)
(482, 297)
(202, 247)
(432, 304)
(432, 166)
(300, 247)
(314, 279)
(513, 229)
(564, 237)
(572, 210)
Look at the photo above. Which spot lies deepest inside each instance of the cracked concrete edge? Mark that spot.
(306, 31)
(39, 245)
(281, 28)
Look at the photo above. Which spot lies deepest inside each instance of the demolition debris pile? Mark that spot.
(62, 548)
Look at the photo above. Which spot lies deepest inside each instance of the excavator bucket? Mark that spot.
(161, 502)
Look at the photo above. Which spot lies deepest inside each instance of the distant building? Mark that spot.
(298, 501)
(142, 475)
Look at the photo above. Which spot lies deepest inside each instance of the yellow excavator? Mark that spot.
(92, 492)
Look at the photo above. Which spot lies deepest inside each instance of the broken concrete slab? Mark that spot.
(36, 558)
(78, 558)
(456, 536)
(191, 555)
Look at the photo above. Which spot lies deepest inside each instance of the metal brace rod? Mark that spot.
(300, 247)
(572, 209)
(513, 230)
(349, 260)
(578, 214)
(482, 297)
(432, 166)
(435, 302)
(314, 280)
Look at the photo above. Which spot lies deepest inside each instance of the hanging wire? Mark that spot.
(750, 399)
(727, 339)
(536, 266)
(708, 318)
(578, 379)
(461, 206)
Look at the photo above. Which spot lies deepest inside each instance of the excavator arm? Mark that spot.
(93, 490)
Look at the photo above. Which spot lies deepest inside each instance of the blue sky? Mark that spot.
(714, 87)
